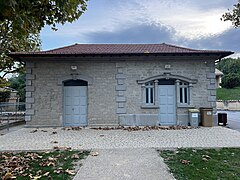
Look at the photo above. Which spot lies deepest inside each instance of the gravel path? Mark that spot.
(47, 138)
(134, 164)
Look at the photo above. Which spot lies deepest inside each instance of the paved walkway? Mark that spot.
(47, 138)
(134, 164)
(122, 154)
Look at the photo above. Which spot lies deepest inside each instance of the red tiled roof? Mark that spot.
(121, 49)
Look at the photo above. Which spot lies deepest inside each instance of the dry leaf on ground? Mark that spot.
(94, 153)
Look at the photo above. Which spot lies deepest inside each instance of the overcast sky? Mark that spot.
(189, 23)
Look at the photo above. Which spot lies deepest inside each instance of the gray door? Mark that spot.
(167, 105)
(75, 105)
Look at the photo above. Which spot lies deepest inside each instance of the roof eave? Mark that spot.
(219, 55)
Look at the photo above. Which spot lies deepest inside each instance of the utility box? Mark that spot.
(206, 117)
(194, 117)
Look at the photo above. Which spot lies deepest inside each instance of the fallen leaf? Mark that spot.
(51, 164)
(205, 159)
(70, 172)
(184, 161)
(33, 131)
(57, 148)
(206, 156)
(52, 159)
(46, 174)
(37, 177)
(75, 156)
(8, 176)
(94, 153)
(39, 172)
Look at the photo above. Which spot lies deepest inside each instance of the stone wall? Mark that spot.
(45, 95)
(203, 92)
(232, 105)
(113, 92)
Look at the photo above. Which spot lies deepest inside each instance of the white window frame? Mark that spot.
(183, 92)
(149, 95)
(149, 91)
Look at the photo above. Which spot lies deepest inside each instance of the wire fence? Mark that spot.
(11, 113)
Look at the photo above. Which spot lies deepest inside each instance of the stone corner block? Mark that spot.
(211, 87)
(121, 88)
(29, 100)
(30, 88)
(30, 76)
(30, 112)
(211, 98)
(121, 99)
(120, 76)
(28, 118)
(211, 76)
(121, 111)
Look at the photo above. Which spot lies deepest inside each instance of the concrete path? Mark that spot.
(114, 164)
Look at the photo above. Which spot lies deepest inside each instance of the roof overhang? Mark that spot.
(213, 55)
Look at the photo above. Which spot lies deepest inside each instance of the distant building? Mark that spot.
(13, 94)
(218, 74)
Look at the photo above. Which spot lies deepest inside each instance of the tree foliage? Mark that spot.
(22, 20)
(18, 83)
(4, 95)
(231, 70)
(229, 65)
(231, 80)
(30, 16)
(233, 15)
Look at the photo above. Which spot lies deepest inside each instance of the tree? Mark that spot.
(22, 20)
(231, 80)
(10, 42)
(234, 15)
(18, 83)
(231, 70)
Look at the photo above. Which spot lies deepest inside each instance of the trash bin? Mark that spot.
(194, 117)
(206, 117)
(222, 118)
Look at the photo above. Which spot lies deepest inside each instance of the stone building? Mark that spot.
(112, 84)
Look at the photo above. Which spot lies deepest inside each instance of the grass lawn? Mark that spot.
(59, 164)
(228, 94)
(203, 163)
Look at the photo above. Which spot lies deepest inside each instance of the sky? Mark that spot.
(189, 23)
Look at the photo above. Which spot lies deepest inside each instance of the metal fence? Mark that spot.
(11, 113)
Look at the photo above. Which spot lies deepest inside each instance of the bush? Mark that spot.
(4, 95)
(230, 80)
